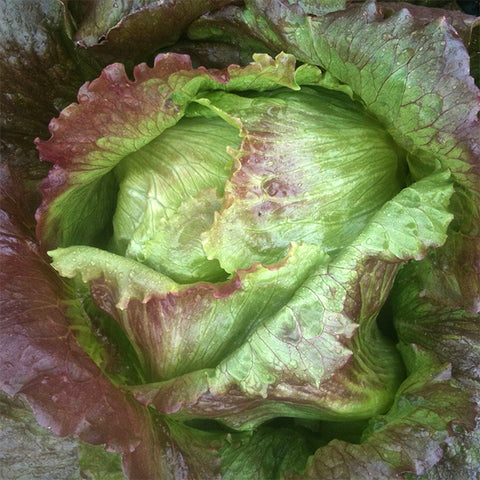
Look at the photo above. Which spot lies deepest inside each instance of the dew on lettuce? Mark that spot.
(263, 266)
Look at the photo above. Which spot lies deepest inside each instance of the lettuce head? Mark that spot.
(240, 240)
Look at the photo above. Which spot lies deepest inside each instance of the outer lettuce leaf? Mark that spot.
(463, 23)
(41, 360)
(109, 30)
(430, 292)
(177, 329)
(409, 437)
(95, 21)
(428, 303)
(41, 74)
(249, 32)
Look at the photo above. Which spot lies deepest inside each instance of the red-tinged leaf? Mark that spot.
(410, 69)
(41, 359)
(116, 116)
(41, 73)
(109, 30)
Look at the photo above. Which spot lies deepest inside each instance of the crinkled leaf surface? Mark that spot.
(298, 175)
(409, 437)
(422, 94)
(248, 31)
(427, 305)
(296, 332)
(463, 23)
(168, 193)
(266, 453)
(176, 248)
(41, 73)
(440, 102)
(175, 328)
(413, 77)
(41, 359)
(322, 347)
(90, 138)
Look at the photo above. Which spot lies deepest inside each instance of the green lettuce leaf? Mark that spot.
(308, 345)
(297, 175)
(266, 453)
(324, 342)
(174, 183)
(174, 328)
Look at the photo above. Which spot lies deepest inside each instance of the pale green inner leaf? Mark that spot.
(167, 196)
(313, 167)
(180, 328)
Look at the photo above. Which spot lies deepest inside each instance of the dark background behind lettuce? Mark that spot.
(30, 452)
